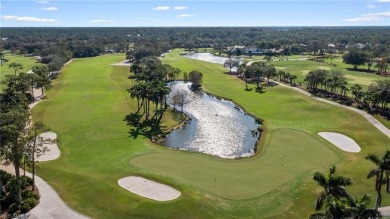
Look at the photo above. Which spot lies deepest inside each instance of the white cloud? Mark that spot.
(161, 8)
(180, 7)
(371, 6)
(50, 9)
(185, 15)
(1, 7)
(142, 18)
(101, 21)
(383, 0)
(28, 19)
(370, 17)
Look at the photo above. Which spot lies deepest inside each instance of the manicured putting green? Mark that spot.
(285, 160)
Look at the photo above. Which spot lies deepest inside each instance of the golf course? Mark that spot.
(87, 107)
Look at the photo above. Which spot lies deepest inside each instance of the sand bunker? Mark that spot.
(124, 63)
(53, 151)
(148, 189)
(343, 142)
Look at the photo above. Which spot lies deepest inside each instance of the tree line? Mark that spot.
(65, 43)
(20, 140)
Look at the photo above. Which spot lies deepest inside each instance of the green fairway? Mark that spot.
(211, 175)
(302, 68)
(89, 101)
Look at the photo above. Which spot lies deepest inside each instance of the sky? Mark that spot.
(152, 13)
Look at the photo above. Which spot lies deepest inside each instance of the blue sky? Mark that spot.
(129, 13)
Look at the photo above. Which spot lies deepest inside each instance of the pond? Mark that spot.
(208, 57)
(217, 127)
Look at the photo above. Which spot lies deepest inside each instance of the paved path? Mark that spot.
(369, 117)
(50, 206)
(385, 211)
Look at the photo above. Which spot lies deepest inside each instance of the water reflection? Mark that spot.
(217, 127)
(208, 57)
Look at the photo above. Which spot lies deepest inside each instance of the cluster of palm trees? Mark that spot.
(287, 77)
(26, 82)
(339, 204)
(334, 82)
(378, 94)
(150, 87)
(336, 201)
(329, 81)
(256, 72)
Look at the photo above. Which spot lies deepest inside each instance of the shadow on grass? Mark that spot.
(362, 70)
(144, 127)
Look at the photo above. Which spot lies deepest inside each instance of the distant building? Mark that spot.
(253, 51)
(235, 48)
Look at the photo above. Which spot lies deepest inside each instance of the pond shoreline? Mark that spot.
(260, 121)
(259, 130)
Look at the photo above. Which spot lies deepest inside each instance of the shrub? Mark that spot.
(13, 209)
(7, 200)
(29, 194)
(27, 205)
(5, 177)
(26, 181)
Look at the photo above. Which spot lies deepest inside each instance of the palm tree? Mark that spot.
(382, 65)
(135, 93)
(2, 59)
(333, 187)
(248, 74)
(360, 208)
(16, 66)
(43, 81)
(357, 92)
(269, 72)
(381, 173)
(281, 75)
(35, 143)
(335, 209)
(292, 79)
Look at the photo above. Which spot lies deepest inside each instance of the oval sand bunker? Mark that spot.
(148, 189)
(341, 141)
(49, 141)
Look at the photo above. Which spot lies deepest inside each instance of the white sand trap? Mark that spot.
(343, 142)
(149, 189)
(53, 151)
(123, 63)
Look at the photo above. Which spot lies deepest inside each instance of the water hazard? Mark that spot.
(217, 126)
(208, 57)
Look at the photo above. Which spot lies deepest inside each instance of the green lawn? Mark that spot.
(86, 108)
(27, 62)
(302, 68)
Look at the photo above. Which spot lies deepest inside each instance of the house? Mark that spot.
(235, 48)
(253, 51)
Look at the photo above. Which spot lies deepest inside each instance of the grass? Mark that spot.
(27, 62)
(86, 108)
(302, 68)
